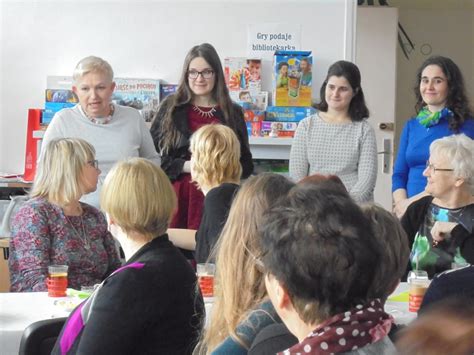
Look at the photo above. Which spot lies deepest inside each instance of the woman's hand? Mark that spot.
(441, 231)
(400, 207)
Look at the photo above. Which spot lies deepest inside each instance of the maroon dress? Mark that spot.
(190, 198)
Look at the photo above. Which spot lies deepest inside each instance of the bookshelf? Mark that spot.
(261, 148)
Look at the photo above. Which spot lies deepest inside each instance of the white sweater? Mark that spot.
(348, 150)
(125, 136)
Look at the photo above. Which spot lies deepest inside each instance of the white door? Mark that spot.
(376, 56)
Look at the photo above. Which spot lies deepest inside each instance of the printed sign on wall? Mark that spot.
(264, 39)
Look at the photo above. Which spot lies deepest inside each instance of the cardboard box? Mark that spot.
(278, 129)
(254, 129)
(58, 95)
(288, 113)
(292, 78)
(141, 94)
(250, 100)
(243, 73)
(254, 116)
(50, 109)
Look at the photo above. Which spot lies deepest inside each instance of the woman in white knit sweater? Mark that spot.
(338, 139)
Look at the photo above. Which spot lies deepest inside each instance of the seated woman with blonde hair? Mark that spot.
(54, 227)
(242, 308)
(216, 169)
(150, 305)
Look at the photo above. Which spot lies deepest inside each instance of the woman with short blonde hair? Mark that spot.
(154, 293)
(215, 168)
(117, 132)
(131, 200)
(215, 156)
(54, 227)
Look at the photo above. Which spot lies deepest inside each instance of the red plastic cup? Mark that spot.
(205, 273)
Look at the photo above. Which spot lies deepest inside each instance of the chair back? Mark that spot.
(15, 203)
(39, 337)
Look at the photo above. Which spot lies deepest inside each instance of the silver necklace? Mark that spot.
(102, 120)
(206, 114)
(82, 236)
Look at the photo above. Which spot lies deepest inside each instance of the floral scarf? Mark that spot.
(351, 330)
(428, 119)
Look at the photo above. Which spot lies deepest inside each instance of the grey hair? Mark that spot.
(459, 149)
(92, 64)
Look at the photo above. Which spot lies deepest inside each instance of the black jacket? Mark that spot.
(172, 161)
(149, 306)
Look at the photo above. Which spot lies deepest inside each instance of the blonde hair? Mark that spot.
(92, 64)
(215, 151)
(59, 173)
(139, 197)
(241, 280)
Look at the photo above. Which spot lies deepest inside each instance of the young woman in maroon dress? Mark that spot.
(201, 98)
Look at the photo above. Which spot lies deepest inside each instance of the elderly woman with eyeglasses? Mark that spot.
(440, 226)
(54, 227)
(202, 98)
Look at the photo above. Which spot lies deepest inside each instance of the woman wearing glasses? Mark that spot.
(201, 98)
(440, 226)
(54, 227)
(442, 109)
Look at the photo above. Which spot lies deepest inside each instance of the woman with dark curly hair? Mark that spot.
(201, 98)
(442, 109)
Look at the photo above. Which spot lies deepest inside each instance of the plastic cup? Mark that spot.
(57, 280)
(418, 284)
(205, 273)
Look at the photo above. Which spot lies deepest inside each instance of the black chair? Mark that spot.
(39, 337)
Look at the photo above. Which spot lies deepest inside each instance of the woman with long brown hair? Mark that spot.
(201, 98)
(242, 308)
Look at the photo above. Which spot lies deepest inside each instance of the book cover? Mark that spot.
(141, 94)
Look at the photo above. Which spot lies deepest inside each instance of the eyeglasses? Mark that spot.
(94, 163)
(206, 74)
(432, 168)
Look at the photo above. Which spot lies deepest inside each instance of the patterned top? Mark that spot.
(346, 150)
(437, 258)
(42, 236)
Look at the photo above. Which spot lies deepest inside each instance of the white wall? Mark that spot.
(140, 39)
(376, 56)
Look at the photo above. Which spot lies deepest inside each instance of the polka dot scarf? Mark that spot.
(351, 330)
